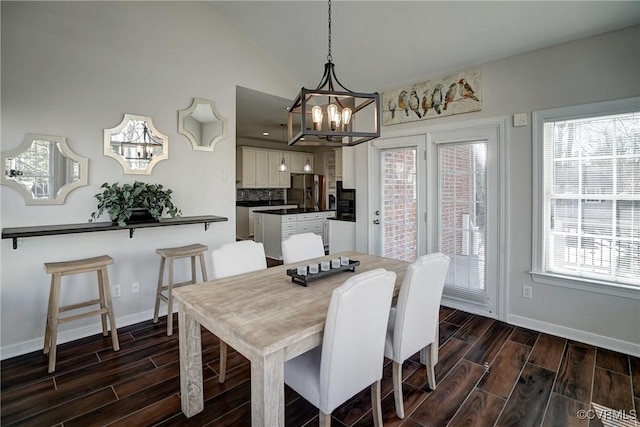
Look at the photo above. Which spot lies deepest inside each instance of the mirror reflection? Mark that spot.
(136, 144)
(202, 124)
(43, 169)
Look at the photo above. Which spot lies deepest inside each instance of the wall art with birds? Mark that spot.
(455, 93)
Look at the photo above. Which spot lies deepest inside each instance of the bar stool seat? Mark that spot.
(66, 268)
(194, 251)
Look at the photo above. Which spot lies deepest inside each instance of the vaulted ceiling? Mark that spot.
(382, 44)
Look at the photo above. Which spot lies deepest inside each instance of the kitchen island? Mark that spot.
(245, 211)
(274, 226)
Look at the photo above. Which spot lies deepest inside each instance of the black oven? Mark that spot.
(345, 203)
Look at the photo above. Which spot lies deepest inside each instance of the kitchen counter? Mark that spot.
(246, 210)
(274, 226)
(295, 211)
(254, 203)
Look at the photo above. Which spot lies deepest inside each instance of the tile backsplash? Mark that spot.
(250, 195)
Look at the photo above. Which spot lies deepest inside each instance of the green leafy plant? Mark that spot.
(121, 201)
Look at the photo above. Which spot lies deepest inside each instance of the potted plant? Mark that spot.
(134, 203)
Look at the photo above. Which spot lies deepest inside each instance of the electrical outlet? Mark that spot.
(527, 292)
(117, 291)
(135, 287)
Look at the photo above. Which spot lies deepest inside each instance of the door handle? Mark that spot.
(376, 221)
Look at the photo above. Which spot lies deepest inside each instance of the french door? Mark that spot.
(465, 213)
(399, 206)
(443, 190)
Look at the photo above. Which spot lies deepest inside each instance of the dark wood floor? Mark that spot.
(489, 373)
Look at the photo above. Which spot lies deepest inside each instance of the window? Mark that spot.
(587, 195)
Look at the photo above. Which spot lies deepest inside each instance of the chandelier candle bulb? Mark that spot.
(317, 115)
(346, 116)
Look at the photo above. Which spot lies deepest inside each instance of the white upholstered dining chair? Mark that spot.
(351, 355)
(300, 247)
(232, 259)
(413, 322)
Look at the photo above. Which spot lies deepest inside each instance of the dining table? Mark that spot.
(268, 319)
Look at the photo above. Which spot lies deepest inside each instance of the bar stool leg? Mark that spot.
(203, 267)
(103, 305)
(109, 305)
(170, 299)
(47, 328)
(193, 270)
(159, 291)
(53, 322)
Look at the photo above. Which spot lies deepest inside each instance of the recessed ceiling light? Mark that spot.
(265, 133)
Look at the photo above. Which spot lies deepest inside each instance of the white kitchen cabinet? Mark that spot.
(245, 219)
(338, 152)
(259, 168)
(251, 168)
(299, 159)
(272, 229)
(262, 169)
(275, 178)
(348, 167)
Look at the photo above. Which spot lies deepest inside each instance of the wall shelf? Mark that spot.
(16, 233)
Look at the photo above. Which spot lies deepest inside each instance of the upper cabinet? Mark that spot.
(346, 166)
(260, 168)
(275, 177)
(246, 168)
(299, 160)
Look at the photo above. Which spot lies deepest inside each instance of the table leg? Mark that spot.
(190, 363)
(267, 391)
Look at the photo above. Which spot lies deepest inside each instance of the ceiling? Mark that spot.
(381, 44)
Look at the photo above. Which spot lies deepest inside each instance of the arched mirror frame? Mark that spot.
(183, 114)
(61, 142)
(126, 168)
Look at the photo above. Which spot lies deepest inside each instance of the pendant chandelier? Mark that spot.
(283, 163)
(331, 114)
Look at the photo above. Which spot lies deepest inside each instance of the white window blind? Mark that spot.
(462, 203)
(591, 206)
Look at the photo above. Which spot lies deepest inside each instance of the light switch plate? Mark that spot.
(520, 119)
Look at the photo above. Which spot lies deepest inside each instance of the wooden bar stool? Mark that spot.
(171, 254)
(66, 268)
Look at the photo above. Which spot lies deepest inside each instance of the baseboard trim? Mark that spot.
(577, 335)
(74, 334)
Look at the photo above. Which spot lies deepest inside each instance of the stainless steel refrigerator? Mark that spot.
(306, 190)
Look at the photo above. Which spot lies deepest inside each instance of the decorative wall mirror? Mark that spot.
(202, 124)
(44, 169)
(136, 144)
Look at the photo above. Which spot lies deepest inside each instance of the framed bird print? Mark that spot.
(454, 93)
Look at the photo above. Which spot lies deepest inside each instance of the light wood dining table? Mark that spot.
(266, 318)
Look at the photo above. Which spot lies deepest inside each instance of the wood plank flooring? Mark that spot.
(489, 374)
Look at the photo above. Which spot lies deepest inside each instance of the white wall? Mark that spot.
(73, 69)
(589, 70)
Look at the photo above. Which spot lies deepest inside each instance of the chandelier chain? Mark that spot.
(329, 56)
